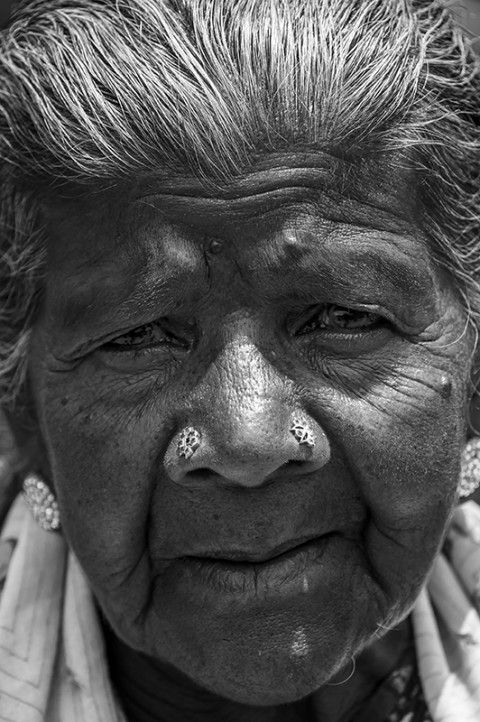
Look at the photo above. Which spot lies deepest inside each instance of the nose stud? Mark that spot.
(188, 442)
(190, 439)
(302, 432)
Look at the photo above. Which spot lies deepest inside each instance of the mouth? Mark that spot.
(255, 557)
(288, 568)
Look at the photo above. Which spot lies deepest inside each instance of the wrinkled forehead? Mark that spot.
(379, 192)
(286, 215)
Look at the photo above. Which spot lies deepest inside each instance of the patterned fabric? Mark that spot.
(447, 624)
(399, 697)
(52, 659)
(410, 705)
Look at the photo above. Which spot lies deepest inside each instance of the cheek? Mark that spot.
(103, 469)
(407, 445)
(402, 444)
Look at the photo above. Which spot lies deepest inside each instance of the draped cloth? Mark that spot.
(53, 664)
(52, 658)
(446, 624)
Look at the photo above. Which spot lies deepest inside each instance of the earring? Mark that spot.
(41, 502)
(470, 468)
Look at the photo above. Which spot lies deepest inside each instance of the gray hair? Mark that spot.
(95, 91)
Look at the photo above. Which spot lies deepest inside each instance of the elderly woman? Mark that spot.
(238, 326)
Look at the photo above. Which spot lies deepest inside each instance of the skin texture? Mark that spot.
(386, 403)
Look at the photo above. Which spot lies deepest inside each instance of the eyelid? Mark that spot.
(97, 344)
(137, 329)
(328, 321)
(317, 309)
(167, 336)
(380, 310)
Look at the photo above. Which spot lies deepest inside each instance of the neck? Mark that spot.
(151, 691)
(356, 698)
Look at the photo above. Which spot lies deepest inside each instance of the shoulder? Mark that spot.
(462, 548)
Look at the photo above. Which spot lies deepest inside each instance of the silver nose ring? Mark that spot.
(188, 442)
(302, 432)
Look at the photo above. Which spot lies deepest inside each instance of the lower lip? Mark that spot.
(292, 571)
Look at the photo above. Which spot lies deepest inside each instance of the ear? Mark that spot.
(474, 404)
(21, 441)
(9, 480)
(7, 445)
(473, 411)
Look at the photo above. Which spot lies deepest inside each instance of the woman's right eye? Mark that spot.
(148, 336)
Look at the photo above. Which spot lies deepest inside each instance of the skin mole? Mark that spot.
(446, 388)
(215, 246)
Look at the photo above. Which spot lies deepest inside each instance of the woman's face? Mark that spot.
(258, 566)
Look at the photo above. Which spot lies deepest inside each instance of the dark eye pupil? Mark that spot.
(347, 318)
(156, 333)
(340, 318)
(135, 337)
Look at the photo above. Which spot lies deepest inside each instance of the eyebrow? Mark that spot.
(77, 299)
(106, 289)
(108, 286)
(397, 260)
(351, 261)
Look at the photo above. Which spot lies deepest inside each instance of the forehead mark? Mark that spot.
(299, 646)
(215, 246)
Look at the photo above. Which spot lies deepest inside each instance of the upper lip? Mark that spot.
(253, 556)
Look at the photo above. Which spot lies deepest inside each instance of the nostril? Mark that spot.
(293, 466)
(202, 473)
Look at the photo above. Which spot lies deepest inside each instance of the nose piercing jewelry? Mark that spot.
(188, 442)
(41, 502)
(302, 432)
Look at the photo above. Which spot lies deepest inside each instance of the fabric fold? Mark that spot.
(30, 610)
(447, 624)
(53, 666)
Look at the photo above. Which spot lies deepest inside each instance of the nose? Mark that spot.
(245, 428)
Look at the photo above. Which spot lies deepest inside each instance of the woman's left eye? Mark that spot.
(331, 317)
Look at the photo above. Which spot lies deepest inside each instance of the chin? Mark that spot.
(272, 682)
(254, 674)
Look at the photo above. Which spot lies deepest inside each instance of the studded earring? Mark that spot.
(41, 502)
(470, 468)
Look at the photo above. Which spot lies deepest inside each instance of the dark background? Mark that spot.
(5, 6)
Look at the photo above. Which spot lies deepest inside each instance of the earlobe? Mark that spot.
(9, 480)
(470, 473)
(473, 420)
(7, 444)
(474, 415)
(22, 452)
(470, 469)
(21, 442)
